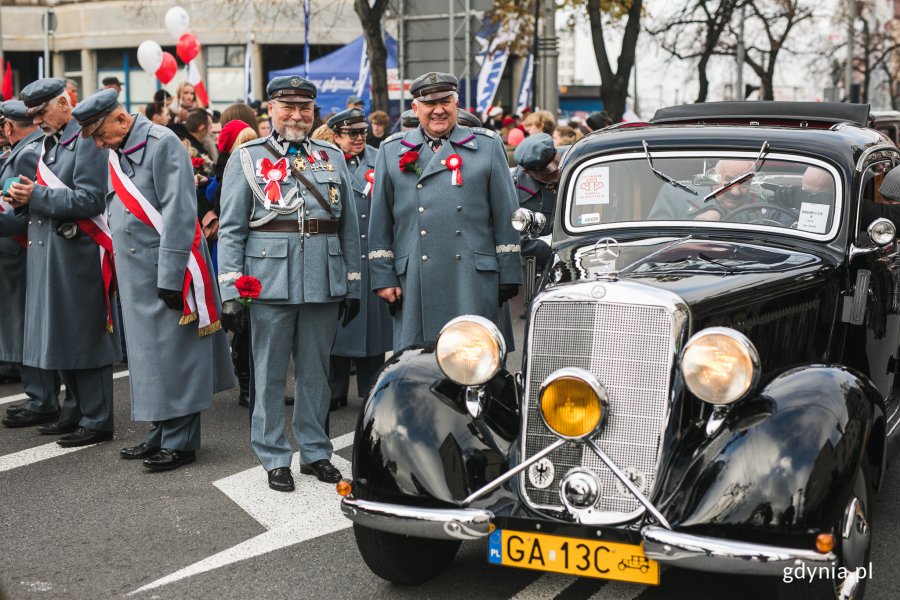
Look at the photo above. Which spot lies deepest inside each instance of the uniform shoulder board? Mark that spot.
(396, 136)
(483, 131)
(254, 142)
(158, 131)
(328, 145)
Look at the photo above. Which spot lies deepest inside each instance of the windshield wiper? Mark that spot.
(749, 173)
(662, 175)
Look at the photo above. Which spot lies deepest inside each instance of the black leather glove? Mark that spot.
(172, 298)
(507, 291)
(394, 306)
(348, 309)
(233, 316)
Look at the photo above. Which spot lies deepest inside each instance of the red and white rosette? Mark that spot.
(274, 174)
(454, 164)
(370, 181)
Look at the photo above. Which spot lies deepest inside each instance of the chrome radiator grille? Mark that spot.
(629, 348)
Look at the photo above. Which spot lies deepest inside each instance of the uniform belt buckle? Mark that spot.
(312, 226)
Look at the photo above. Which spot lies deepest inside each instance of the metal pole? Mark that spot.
(2, 61)
(468, 70)
(537, 75)
(401, 54)
(450, 39)
(550, 51)
(739, 56)
(848, 75)
(46, 43)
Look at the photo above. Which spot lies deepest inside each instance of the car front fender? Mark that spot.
(417, 444)
(784, 460)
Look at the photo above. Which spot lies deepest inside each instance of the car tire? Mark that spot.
(402, 559)
(828, 588)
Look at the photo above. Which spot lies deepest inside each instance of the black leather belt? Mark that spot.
(310, 226)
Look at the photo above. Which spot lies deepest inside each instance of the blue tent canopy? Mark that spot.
(337, 75)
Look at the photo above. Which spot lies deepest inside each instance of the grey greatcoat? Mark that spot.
(174, 370)
(448, 247)
(66, 308)
(21, 160)
(370, 333)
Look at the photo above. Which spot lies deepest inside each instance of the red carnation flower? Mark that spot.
(408, 162)
(197, 162)
(248, 287)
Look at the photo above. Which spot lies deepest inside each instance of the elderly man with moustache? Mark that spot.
(440, 239)
(70, 315)
(289, 219)
(41, 387)
(170, 303)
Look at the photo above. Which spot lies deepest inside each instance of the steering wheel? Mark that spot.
(763, 220)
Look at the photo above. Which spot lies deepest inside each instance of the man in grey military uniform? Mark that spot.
(70, 317)
(41, 387)
(178, 356)
(440, 242)
(536, 177)
(289, 220)
(368, 337)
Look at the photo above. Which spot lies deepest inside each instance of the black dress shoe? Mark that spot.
(323, 470)
(281, 480)
(336, 403)
(14, 408)
(142, 450)
(167, 459)
(58, 428)
(84, 437)
(28, 418)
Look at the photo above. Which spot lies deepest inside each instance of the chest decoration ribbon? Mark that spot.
(370, 181)
(274, 174)
(95, 227)
(197, 289)
(454, 165)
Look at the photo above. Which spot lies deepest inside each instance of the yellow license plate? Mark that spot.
(572, 556)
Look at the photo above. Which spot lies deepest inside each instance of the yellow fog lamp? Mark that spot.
(470, 350)
(573, 403)
(720, 365)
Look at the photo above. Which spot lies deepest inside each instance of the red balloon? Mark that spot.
(188, 47)
(167, 69)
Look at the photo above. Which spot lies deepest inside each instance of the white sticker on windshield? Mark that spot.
(813, 217)
(589, 219)
(593, 187)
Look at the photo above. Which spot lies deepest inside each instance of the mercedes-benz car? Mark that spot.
(709, 378)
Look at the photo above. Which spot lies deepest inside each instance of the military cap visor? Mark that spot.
(294, 90)
(352, 118)
(38, 94)
(409, 118)
(93, 110)
(14, 110)
(433, 86)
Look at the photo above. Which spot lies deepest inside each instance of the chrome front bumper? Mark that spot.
(716, 555)
(701, 553)
(436, 523)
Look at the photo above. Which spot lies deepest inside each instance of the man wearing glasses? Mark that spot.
(71, 324)
(368, 337)
(288, 219)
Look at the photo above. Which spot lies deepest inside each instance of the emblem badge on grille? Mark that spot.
(637, 478)
(598, 291)
(541, 473)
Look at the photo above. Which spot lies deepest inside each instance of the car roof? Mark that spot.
(810, 113)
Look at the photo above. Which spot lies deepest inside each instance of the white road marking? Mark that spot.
(62, 388)
(545, 587)
(33, 455)
(619, 590)
(317, 502)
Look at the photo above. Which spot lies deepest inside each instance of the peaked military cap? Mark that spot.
(433, 86)
(15, 110)
(890, 185)
(409, 119)
(38, 93)
(535, 151)
(352, 118)
(468, 119)
(292, 88)
(353, 100)
(91, 111)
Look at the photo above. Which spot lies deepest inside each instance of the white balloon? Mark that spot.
(177, 21)
(150, 56)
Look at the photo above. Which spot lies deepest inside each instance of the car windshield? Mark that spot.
(794, 194)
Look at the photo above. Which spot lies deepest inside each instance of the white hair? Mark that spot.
(455, 97)
(65, 95)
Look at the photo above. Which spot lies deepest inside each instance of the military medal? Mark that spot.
(299, 164)
(333, 194)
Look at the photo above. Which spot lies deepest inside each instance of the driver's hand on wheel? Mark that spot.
(710, 214)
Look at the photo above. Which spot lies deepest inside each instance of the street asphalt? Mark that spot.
(88, 525)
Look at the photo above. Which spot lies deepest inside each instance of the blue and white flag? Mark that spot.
(363, 81)
(524, 99)
(306, 11)
(249, 92)
(493, 60)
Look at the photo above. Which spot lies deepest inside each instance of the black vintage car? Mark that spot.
(710, 372)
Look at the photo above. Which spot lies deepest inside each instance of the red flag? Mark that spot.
(199, 88)
(7, 83)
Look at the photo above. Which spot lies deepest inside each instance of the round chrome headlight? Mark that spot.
(720, 365)
(882, 232)
(470, 350)
(573, 403)
(521, 219)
